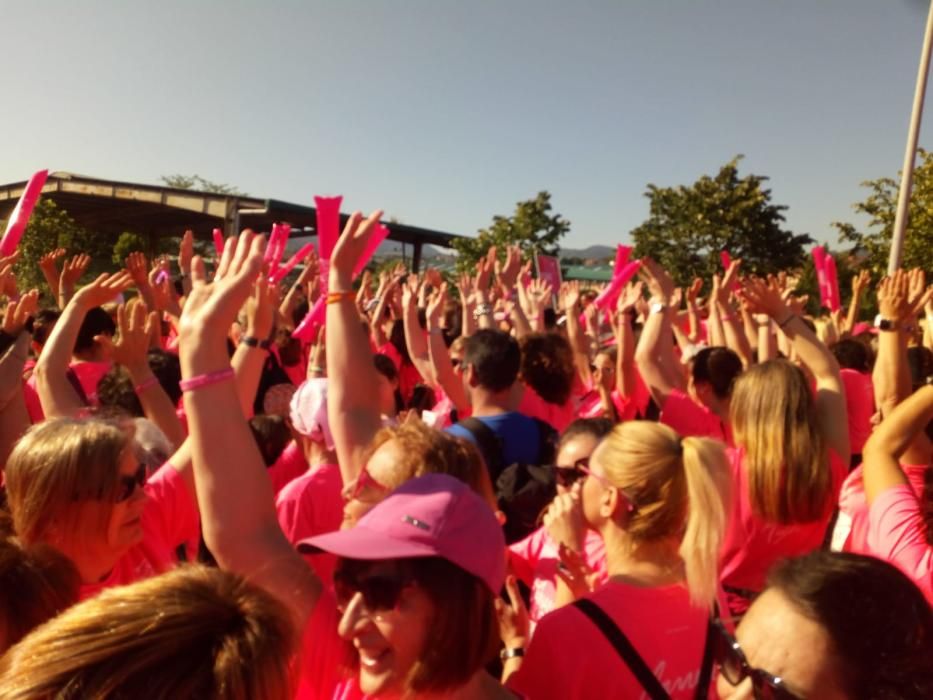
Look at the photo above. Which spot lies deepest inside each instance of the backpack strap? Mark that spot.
(488, 443)
(623, 646)
(706, 668)
(75, 382)
(547, 442)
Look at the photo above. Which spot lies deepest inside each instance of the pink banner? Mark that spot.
(375, 239)
(328, 224)
(726, 261)
(281, 273)
(610, 295)
(549, 270)
(20, 216)
(819, 265)
(832, 282)
(218, 242)
(313, 320)
(271, 244)
(623, 252)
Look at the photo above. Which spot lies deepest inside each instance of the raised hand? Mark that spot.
(186, 253)
(513, 617)
(764, 296)
(569, 296)
(48, 264)
(7, 281)
(138, 267)
(894, 297)
(134, 330)
(260, 308)
(104, 289)
(349, 248)
(630, 296)
(660, 284)
(19, 312)
(918, 293)
(693, 291)
(435, 308)
(507, 273)
(73, 269)
(163, 291)
(860, 282)
(539, 294)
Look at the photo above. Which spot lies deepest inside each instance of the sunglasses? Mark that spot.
(568, 476)
(129, 484)
(735, 668)
(381, 592)
(362, 481)
(455, 362)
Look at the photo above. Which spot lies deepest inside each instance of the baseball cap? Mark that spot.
(307, 411)
(434, 515)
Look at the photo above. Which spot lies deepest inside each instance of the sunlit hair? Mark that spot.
(423, 450)
(826, 331)
(195, 632)
(547, 366)
(774, 421)
(37, 584)
(679, 489)
(58, 463)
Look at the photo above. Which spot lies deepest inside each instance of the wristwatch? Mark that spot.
(481, 310)
(255, 342)
(656, 307)
(885, 324)
(514, 653)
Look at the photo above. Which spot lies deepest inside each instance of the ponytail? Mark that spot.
(707, 477)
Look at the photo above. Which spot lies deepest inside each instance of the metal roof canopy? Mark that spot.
(110, 208)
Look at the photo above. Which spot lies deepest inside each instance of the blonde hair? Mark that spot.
(826, 330)
(57, 463)
(774, 420)
(679, 488)
(195, 632)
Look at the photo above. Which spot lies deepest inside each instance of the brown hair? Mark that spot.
(37, 583)
(547, 366)
(193, 632)
(774, 420)
(464, 632)
(424, 450)
(679, 488)
(58, 462)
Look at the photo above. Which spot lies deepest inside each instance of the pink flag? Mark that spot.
(271, 244)
(549, 270)
(726, 260)
(622, 255)
(819, 264)
(313, 320)
(376, 238)
(610, 295)
(20, 216)
(832, 282)
(304, 252)
(218, 242)
(328, 224)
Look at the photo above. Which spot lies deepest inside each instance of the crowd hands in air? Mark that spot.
(476, 488)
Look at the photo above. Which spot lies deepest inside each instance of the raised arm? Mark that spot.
(625, 340)
(56, 394)
(249, 358)
(48, 265)
(859, 283)
(569, 299)
(415, 338)
(14, 420)
(654, 355)
(72, 271)
(138, 267)
(439, 355)
(353, 413)
(234, 493)
(764, 296)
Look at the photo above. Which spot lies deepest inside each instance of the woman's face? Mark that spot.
(387, 389)
(594, 494)
(370, 487)
(777, 638)
(604, 371)
(388, 642)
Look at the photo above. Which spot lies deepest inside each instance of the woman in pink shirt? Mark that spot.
(659, 504)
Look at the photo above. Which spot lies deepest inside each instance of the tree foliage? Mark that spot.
(196, 182)
(880, 206)
(532, 227)
(128, 242)
(689, 225)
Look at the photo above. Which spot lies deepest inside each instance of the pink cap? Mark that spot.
(434, 515)
(308, 411)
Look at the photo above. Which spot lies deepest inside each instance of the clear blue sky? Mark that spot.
(447, 113)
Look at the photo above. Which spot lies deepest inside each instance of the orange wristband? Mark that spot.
(334, 297)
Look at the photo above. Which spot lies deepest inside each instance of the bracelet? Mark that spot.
(334, 297)
(252, 342)
(316, 369)
(787, 320)
(514, 653)
(148, 384)
(481, 310)
(203, 380)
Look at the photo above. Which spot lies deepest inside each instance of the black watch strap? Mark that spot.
(255, 342)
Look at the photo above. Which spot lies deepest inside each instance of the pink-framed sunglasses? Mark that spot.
(606, 484)
(366, 479)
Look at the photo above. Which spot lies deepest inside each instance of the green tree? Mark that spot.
(689, 225)
(880, 206)
(196, 182)
(532, 227)
(129, 242)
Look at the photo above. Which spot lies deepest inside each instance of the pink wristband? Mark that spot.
(203, 380)
(148, 384)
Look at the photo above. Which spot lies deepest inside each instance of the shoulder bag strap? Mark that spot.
(487, 442)
(706, 668)
(623, 646)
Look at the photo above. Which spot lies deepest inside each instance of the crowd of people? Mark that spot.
(477, 488)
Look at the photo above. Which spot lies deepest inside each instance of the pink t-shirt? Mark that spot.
(569, 657)
(289, 466)
(753, 545)
(690, 419)
(860, 405)
(557, 416)
(324, 656)
(534, 560)
(591, 406)
(311, 505)
(88, 375)
(853, 507)
(169, 519)
(898, 534)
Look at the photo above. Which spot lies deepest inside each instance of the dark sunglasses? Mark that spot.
(129, 484)
(568, 476)
(455, 362)
(735, 668)
(381, 592)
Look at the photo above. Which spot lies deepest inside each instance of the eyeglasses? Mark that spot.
(629, 506)
(596, 368)
(381, 592)
(735, 668)
(568, 476)
(129, 484)
(362, 481)
(455, 361)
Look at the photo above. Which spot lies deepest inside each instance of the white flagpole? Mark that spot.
(907, 177)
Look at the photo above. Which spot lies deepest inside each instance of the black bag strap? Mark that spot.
(706, 668)
(75, 382)
(487, 442)
(623, 646)
(547, 442)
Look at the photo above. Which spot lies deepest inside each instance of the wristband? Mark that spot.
(203, 380)
(316, 369)
(514, 653)
(787, 320)
(143, 386)
(334, 297)
(481, 310)
(252, 342)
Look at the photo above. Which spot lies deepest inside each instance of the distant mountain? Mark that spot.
(594, 252)
(387, 249)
